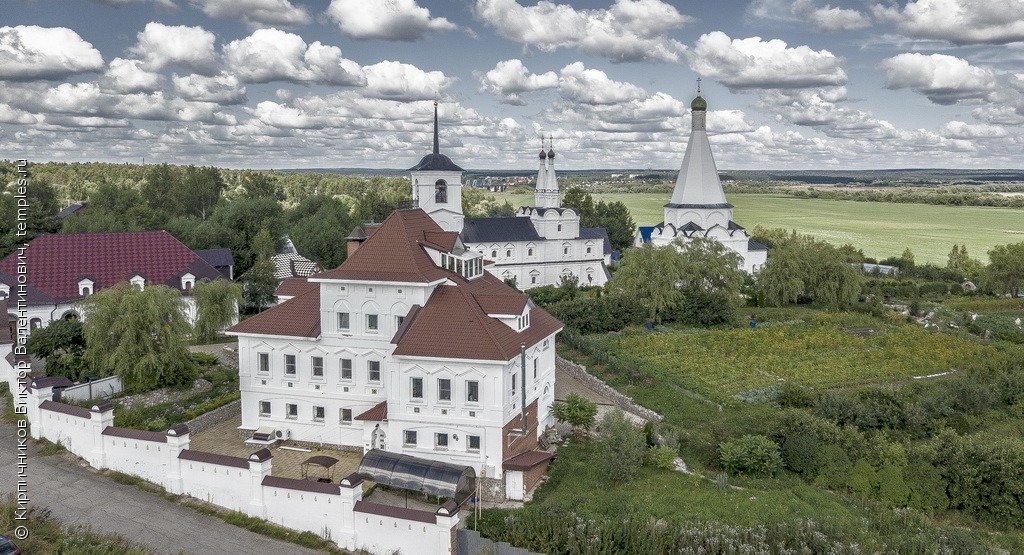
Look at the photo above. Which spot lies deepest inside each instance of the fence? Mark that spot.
(333, 511)
(96, 389)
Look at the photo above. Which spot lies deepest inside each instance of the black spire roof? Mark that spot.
(435, 161)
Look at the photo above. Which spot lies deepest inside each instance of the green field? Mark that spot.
(880, 229)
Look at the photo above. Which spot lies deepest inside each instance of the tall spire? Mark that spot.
(437, 146)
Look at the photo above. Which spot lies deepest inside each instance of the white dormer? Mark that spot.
(5, 290)
(85, 287)
(188, 281)
(138, 281)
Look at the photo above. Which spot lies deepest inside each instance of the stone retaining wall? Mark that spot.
(210, 419)
(579, 372)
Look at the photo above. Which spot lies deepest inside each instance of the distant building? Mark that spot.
(698, 207)
(538, 246)
(221, 260)
(880, 269)
(289, 263)
(65, 268)
(71, 209)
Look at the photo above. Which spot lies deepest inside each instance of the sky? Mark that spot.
(790, 84)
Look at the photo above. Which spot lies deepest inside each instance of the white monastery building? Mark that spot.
(411, 347)
(537, 246)
(698, 206)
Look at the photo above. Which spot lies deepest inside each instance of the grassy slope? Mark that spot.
(880, 229)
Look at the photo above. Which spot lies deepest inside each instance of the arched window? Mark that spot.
(441, 192)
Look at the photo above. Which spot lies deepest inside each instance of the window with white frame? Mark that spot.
(138, 281)
(472, 443)
(398, 321)
(187, 281)
(264, 363)
(318, 414)
(343, 321)
(346, 369)
(85, 287)
(318, 367)
(417, 388)
(291, 410)
(535, 368)
(440, 441)
(513, 383)
(289, 365)
(345, 416)
(371, 323)
(409, 438)
(264, 408)
(444, 389)
(472, 391)
(373, 370)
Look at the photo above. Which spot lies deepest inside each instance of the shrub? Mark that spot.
(796, 396)
(750, 454)
(800, 453)
(621, 445)
(863, 478)
(834, 467)
(661, 456)
(576, 411)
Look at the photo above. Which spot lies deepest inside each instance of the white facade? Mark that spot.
(698, 206)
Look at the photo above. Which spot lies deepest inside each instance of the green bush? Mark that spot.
(750, 454)
(621, 445)
(800, 453)
(661, 456)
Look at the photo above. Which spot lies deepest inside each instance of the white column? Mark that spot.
(101, 416)
(36, 396)
(260, 464)
(177, 441)
(351, 492)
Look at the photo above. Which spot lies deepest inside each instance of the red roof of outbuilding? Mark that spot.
(56, 263)
(294, 286)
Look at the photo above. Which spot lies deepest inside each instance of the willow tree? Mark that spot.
(138, 335)
(217, 305)
(802, 265)
(1005, 272)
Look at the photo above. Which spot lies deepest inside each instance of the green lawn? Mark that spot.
(880, 229)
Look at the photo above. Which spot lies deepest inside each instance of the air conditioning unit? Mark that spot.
(283, 435)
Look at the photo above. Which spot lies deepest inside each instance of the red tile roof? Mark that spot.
(506, 305)
(294, 286)
(378, 413)
(296, 317)
(56, 263)
(392, 253)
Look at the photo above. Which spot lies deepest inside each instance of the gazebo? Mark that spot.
(323, 461)
(422, 475)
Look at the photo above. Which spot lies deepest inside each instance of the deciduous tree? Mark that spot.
(1005, 272)
(575, 411)
(217, 305)
(138, 335)
(62, 344)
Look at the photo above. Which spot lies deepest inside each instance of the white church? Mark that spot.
(538, 246)
(698, 207)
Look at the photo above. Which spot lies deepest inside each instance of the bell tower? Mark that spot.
(437, 186)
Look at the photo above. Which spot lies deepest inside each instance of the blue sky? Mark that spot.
(791, 84)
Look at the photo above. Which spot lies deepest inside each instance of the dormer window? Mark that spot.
(187, 282)
(138, 281)
(468, 268)
(85, 287)
(441, 192)
(5, 290)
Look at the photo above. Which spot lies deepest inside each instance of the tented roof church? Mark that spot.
(538, 246)
(698, 207)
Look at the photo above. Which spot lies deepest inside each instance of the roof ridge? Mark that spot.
(476, 304)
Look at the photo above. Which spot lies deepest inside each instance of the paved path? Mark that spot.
(78, 496)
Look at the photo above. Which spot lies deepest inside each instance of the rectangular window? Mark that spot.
(398, 321)
(291, 411)
(318, 367)
(473, 443)
(264, 408)
(289, 365)
(410, 438)
(343, 323)
(371, 322)
(417, 388)
(346, 369)
(444, 389)
(473, 392)
(318, 414)
(441, 441)
(513, 384)
(373, 367)
(264, 363)
(346, 416)
(535, 369)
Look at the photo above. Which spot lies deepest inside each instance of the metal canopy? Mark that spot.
(416, 474)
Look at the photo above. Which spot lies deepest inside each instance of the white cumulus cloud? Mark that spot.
(943, 79)
(397, 81)
(164, 45)
(753, 63)
(274, 55)
(962, 130)
(402, 20)
(256, 13)
(221, 89)
(127, 76)
(592, 86)
(510, 79)
(32, 52)
(958, 21)
(628, 31)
